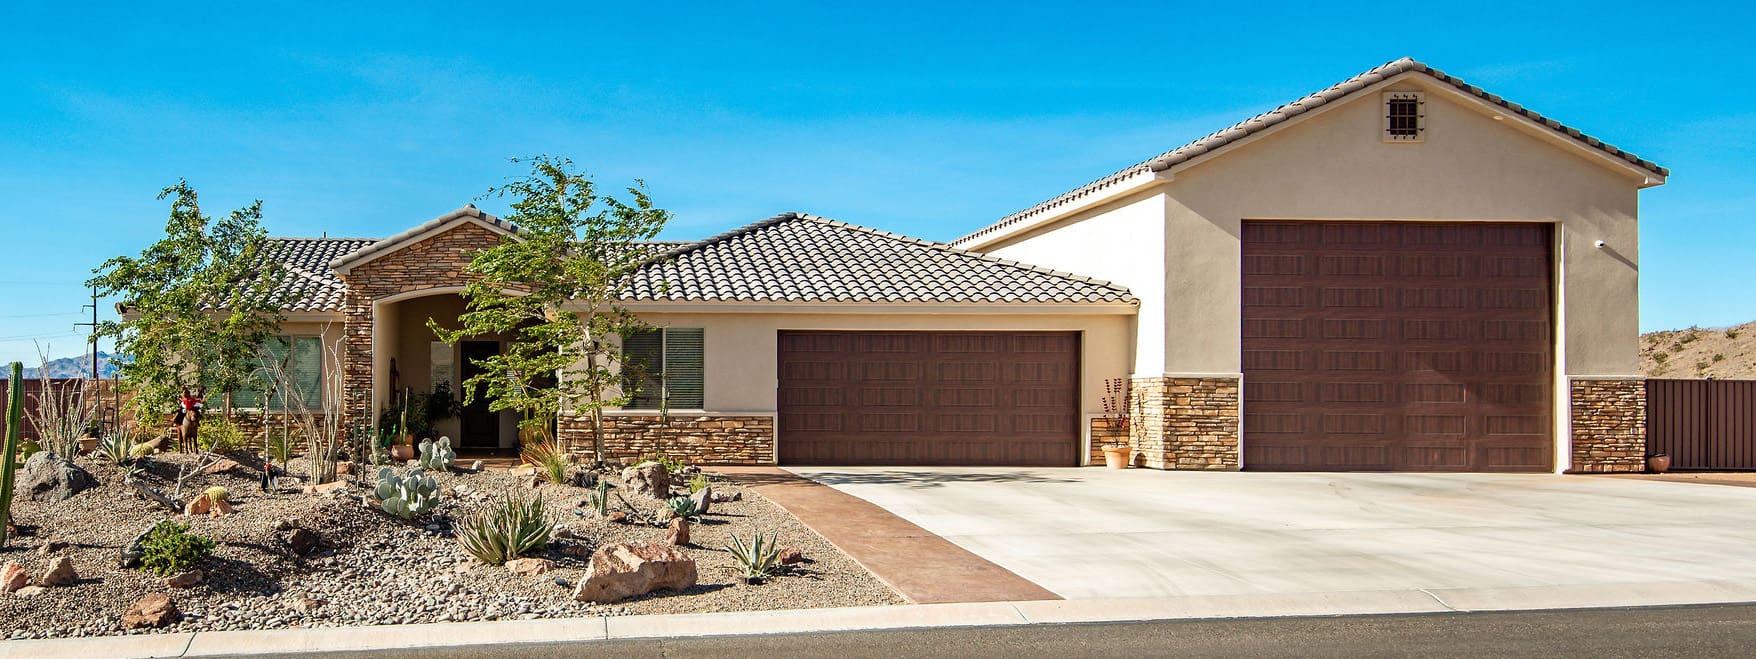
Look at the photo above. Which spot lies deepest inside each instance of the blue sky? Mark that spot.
(925, 118)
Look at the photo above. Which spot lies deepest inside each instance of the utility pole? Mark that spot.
(94, 330)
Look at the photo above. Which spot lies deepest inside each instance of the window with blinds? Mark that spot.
(301, 357)
(664, 362)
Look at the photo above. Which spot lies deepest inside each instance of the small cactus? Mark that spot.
(216, 494)
(437, 456)
(409, 495)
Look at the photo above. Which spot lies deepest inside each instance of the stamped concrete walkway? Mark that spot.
(923, 567)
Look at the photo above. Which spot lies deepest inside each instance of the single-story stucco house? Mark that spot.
(1399, 272)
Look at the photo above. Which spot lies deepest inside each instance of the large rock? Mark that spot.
(52, 478)
(60, 573)
(648, 478)
(624, 570)
(703, 499)
(13, 577)
(155, 610)
(300, 541)
(678, 533)
(188, 579)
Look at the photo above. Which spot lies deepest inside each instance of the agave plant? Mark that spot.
(683, 507)
(758, 560)
(118, 447)
(506, 530)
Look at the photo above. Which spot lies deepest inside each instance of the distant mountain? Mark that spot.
(77, 367)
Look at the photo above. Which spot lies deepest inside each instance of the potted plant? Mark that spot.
(1658, 463)
(1117, 394)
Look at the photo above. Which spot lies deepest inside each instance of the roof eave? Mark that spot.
(469, 213)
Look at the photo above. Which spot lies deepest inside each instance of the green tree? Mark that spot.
(575, 248)
(202, 299)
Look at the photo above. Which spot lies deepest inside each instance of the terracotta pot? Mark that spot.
(1658, 464)
(87, 445)
(402, 452)
(1118, 457)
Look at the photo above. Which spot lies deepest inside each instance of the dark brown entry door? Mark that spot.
(1397, 346)
(929, 398)
(479, 426)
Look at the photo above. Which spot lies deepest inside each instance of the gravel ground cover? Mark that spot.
(373, 569)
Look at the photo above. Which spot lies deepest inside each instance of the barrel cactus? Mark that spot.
(437, 456)
(216, 494)
(409, 495)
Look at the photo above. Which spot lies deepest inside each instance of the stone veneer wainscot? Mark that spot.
(1609, 425)
(694, 439)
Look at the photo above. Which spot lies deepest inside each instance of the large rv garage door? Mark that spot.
(1397, 346)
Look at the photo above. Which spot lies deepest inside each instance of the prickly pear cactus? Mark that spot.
(437, 456)
(409, 495)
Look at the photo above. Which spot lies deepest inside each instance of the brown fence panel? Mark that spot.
(33, 389)
(1731, 409)
(1702, 424)
(1677, 422)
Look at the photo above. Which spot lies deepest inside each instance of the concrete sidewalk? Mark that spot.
(926, 616)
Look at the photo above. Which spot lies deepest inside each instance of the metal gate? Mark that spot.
(1702, 424)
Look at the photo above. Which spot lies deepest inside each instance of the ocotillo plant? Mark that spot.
(9, 450)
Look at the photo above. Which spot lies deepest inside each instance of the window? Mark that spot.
(301, 357)
(660, 361)
(1405, 117)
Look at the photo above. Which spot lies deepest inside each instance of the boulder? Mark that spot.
(326, 488)
(529, 567)
(475, 466)
(51, 546)
(155, 610)
(29, 591)
(649, 479)
(791, 556)
(200, 505)
(52, 478)
(306, 605)
(678, 533)
(225, 466)
(300, 541)
(624, 570)
(220, 508)
(60, 573)
(188, 579)
(344, 468)
(582, 477)
(618, 517)
(13, 577)
(703, 499)
(722, 497)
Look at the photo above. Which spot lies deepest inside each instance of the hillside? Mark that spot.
(76, 367)
(1727, 353)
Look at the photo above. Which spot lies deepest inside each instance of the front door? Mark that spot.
(479, 426)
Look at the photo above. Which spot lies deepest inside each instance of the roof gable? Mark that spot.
(795, 257)
(469, 214)
(1219, 140)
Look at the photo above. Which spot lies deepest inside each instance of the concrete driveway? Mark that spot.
(1096, 533)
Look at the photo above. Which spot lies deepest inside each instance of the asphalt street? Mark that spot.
(1708, 631)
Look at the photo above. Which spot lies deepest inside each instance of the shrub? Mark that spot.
(1660, 357)
(551, 464)
(671, 466)
(758, 560)
(506, 530)
(220, 435)
(1731, 334)
(698, 483)
(407, 496)
(280, 447)
(169, 548)
(1717, 358)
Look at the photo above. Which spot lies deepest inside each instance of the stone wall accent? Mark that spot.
(704, 440)
(435, 262)
(1187, 423)
(1105, 432)
(1609, 425)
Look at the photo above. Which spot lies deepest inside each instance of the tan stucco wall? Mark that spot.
(1335, 166)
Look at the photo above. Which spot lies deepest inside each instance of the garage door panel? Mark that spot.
(924, 398)
(1421, 346)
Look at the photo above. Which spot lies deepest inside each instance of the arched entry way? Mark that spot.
(410, 361)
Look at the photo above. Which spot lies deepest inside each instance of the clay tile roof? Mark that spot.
(794, 257)
(309, 283)
(1216, 140)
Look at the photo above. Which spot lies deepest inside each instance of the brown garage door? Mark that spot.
(929, 398)
(1397, 346)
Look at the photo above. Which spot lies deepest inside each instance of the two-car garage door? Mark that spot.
(929, 398)
(1403, 346)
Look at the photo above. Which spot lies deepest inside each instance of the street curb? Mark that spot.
(916, 616)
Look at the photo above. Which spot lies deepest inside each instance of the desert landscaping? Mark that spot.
(332, 555)
(1721, 353)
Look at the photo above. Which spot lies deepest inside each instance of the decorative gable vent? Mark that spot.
(1405, 116)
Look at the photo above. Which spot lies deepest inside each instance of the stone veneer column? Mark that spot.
(1609, 425)
(1187, 423)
